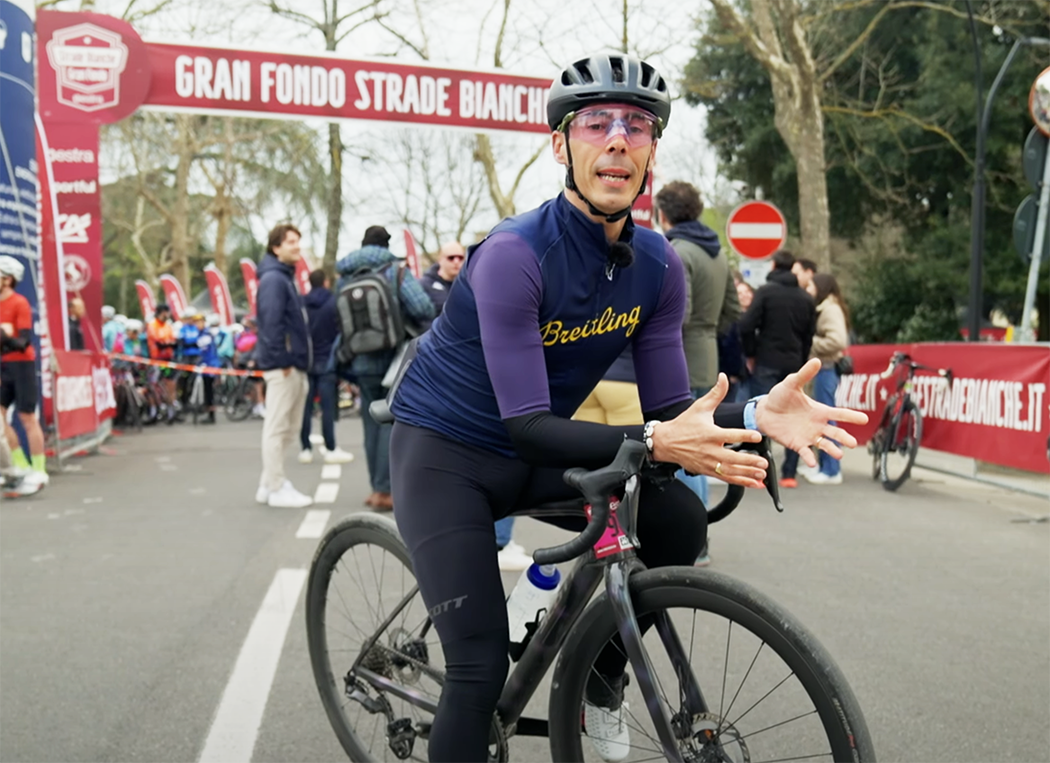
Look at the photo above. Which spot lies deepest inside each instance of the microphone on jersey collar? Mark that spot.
(621, 255)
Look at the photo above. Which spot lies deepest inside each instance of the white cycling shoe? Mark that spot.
(608, 731)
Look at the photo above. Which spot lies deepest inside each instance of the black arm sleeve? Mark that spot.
(17, 344)
(543, 439)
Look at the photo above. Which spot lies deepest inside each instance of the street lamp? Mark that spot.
(978, 206)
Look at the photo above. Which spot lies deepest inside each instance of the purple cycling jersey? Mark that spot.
(536, 318)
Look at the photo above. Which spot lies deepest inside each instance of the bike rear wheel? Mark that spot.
(770, 690)
(900, 445)
(360, 576)
(238, 402)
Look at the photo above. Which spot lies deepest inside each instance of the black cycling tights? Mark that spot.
(447, 497)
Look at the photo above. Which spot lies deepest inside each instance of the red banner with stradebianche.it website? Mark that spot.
(996, 410)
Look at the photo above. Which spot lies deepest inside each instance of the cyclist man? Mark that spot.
(160, 336)
(543, 306)
(18, 372)
(198, 349)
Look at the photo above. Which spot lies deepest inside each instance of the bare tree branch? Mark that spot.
(497, 57)
(893, 111)
(771, 60)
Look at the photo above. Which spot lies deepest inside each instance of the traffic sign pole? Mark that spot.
(1041, 224)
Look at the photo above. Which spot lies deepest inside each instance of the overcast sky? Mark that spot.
(541, 36)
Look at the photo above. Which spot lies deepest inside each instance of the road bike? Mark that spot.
(195, 400)
(720, 672)
(131, 405)
(895, 443)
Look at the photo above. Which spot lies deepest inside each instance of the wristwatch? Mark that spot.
(647, 436)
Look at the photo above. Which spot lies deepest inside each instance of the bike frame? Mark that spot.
(572, 600)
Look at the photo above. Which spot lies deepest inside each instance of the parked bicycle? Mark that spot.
(131, 405)
(725, 674)
(896, 440)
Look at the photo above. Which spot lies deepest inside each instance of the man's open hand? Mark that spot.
(797, 421)
(697, 444)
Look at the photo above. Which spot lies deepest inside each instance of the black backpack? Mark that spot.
(369, 307)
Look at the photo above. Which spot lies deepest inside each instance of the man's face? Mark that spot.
(7, 282)
(612, 146)
(163, 316)
(450, 261)
(288, 251)
(76, 308)
(803, 275)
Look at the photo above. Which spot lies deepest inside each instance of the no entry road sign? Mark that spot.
(756, 229)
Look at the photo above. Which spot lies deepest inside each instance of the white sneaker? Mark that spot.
(806, 471)
(337, 456)
(259, 411)
(516, 548)
(18, 487)
(262, 495)
(37, 478)
(608, 731)
(306, 456)
(513, 561)
(289, 498)
(819, 478)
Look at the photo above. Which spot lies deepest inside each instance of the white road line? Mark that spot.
(168, 468)
(314, 523)
(236, 725)
(326, 492)
(331, 472)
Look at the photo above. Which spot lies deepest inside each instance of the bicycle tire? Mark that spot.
(196, 400)
(134, 406)
(238, 403)
(889, 441)
(836, 708)
(358, 530)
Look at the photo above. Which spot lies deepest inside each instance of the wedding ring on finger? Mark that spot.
(718, 469)
(817, 443)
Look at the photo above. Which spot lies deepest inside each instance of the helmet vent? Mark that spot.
(617, 70)
(647, 74)
(584, 71)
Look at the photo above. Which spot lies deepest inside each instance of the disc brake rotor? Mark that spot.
(715, 740)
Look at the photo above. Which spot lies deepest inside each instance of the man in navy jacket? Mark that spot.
(323, 317)
(284, 354)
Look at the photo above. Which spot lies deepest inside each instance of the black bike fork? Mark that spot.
(617, 579)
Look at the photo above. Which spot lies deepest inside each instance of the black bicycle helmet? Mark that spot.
(608, 78)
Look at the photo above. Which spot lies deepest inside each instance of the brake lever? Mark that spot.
(763, 448)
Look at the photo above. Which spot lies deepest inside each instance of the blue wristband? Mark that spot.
(749, 413)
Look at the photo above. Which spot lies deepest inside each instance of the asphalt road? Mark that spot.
(129, 587)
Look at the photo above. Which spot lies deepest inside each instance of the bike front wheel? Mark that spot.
(738, 678)
(900, 445)
(376, 659)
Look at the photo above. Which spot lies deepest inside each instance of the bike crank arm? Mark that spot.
(616, 584)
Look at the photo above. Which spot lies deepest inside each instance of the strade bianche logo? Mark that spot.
(88, 61)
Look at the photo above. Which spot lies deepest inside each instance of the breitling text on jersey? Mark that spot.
(554, 332)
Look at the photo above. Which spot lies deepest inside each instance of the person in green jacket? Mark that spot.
(712, 305)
